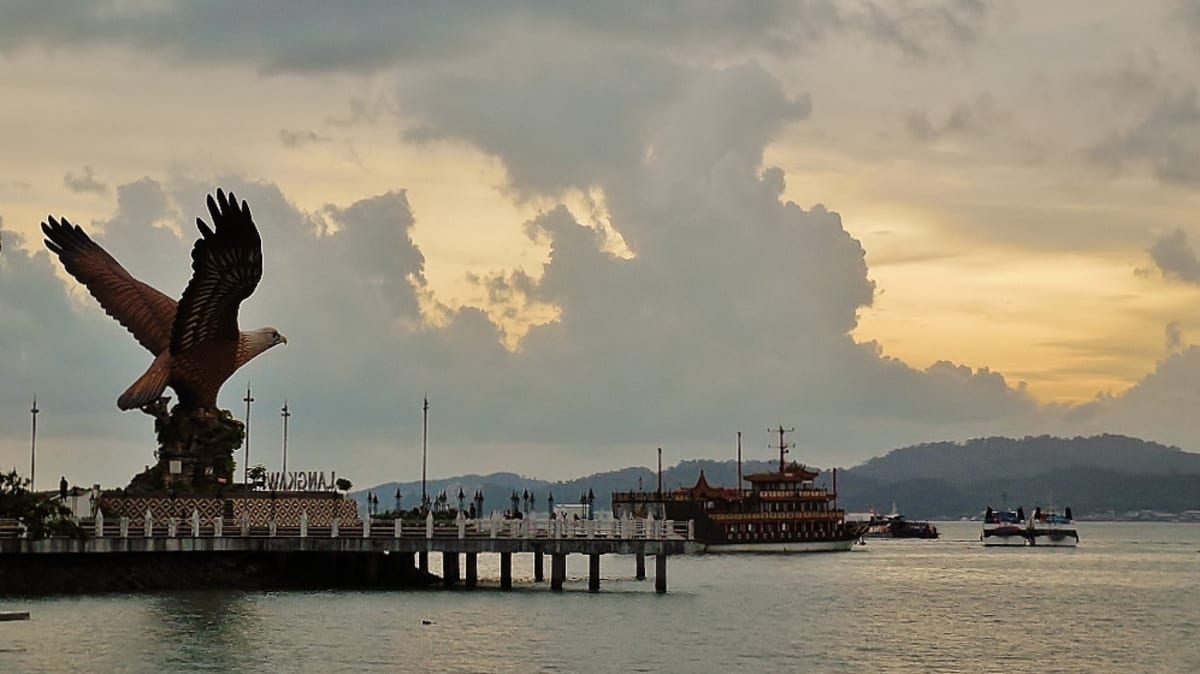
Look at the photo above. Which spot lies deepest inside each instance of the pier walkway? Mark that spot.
(386, 541)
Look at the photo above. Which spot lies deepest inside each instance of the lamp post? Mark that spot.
(525, 501)
(516, 501)
(479, 503)
(286, 414)
(33, 412)
(424, 451)
(591, 498)
(550, 503)
(246, 468)
(397, 501)
(461, 497)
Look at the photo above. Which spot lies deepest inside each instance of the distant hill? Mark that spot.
(974, 460)
(1100, 474)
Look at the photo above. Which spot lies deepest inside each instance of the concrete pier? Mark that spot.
(370, 554)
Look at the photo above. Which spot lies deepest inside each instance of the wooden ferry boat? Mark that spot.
(782, 511)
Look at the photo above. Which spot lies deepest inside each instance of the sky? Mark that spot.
(588, 230)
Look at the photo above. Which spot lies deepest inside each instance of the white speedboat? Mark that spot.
(1003, 528)
(1049, 528)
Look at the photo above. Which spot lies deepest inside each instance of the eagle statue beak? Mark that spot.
(282, 339)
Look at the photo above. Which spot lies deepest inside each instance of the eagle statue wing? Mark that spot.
(226, 267)
(145, 312)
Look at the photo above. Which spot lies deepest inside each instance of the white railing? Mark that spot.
(530, 528)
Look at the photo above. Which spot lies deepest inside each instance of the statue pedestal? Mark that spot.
(195, 450)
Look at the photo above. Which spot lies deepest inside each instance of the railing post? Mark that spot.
(218, 527)
(668, 529)
(367, 526)
(303, 524)
(271, 526)
(495, 525)
(124, 526)
(398, 527)
(148, 523)
(245, 524)
(429, 524)
(171, 526)
(589, 528)
(333, 528)
(462, 525)
(691, 532)
(195, 523)
(99, 528)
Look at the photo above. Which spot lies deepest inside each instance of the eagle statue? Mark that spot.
(196, 342)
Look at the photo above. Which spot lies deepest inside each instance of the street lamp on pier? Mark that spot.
(33, 412)
(286, 414)
(246, 468)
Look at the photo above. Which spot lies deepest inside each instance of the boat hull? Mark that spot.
(777, 547)
(1054, 538)
(1004, 542)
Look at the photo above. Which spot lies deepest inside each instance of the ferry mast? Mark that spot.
(782, 446)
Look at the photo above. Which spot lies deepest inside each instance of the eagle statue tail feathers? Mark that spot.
(148, 387)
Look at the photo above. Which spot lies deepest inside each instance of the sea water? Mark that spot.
(1126, 600)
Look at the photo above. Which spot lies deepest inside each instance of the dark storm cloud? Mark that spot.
(1167, 138)
(1175, 258)
(84, 182)
(280, 36)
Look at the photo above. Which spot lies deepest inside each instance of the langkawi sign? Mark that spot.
(299, 480)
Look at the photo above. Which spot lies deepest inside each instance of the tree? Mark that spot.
(42, 517)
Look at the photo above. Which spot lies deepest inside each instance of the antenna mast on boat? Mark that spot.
(783, 446)
(739, 484)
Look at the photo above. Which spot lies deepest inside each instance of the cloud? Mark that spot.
(319, 38)
(299, 139)
(1174, 337)
(1174, 257)
(976, 118)
(924, 30)
(1166, 137)
(84, 183)
(1188, 14)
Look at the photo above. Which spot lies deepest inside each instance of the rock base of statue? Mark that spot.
(195, 450)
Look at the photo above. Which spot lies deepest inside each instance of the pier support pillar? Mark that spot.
(449, 568)
(641, 566)
(505, 570)
(539, 574)
(423, 561)
(472, 569)
(593, 572)
(558, 571)
(660, 573)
